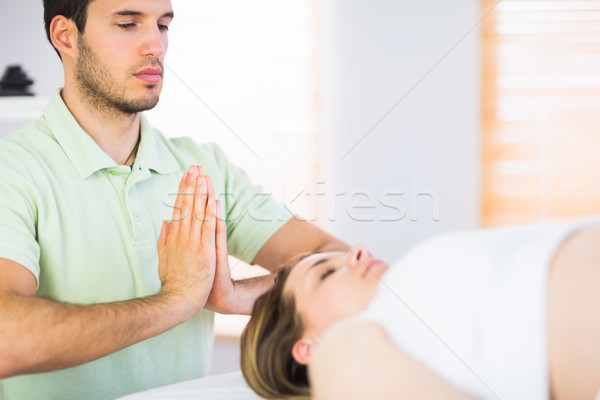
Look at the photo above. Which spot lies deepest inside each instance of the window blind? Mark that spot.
(540, 111)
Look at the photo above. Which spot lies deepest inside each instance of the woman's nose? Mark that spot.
(358, 255)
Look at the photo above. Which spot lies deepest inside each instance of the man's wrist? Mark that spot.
(225, 303)
(246, 292)
(179, 306)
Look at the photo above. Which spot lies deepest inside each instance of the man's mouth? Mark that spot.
(150, 75)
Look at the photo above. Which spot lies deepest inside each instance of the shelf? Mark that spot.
(26, 108)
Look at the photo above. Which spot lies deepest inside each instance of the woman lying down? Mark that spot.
(510, 313)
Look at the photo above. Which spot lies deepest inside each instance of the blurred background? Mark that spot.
(385, 122)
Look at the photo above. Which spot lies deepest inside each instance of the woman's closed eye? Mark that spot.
(327, 273)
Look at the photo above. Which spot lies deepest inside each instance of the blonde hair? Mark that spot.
(266, 346)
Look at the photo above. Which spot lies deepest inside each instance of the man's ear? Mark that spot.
(63, 34)
(302, 349)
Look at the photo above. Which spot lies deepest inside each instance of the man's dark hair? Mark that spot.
(75, 10)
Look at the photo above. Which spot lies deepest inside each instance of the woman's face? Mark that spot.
(328, 287)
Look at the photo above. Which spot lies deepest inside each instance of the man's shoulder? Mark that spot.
(32, 138)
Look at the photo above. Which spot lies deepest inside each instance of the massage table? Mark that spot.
(230, 386)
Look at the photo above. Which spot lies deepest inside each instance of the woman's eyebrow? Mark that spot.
(321, 261)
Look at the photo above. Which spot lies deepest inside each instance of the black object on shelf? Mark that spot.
(15, 82)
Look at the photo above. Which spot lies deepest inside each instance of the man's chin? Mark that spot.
(135, 106)
(151, 104)
(152, 97)
(148, 100)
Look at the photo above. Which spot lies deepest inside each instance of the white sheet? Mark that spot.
(231, 386)
(470, 306)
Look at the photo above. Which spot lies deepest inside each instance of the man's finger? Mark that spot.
(199, 211)
(186, 200)
(221, 236)
(178, 203)
(162, 237)
(209, 225)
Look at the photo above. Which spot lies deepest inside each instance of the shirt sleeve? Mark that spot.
(18, 214)
(252, 214)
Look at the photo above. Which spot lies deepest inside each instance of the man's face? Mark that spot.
(119, 67)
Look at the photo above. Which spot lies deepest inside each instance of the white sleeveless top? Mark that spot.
(471, 306)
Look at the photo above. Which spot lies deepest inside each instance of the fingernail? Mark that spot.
(191, 169)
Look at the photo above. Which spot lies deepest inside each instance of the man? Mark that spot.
(87, 307)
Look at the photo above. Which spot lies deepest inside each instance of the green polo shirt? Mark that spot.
(87, 230)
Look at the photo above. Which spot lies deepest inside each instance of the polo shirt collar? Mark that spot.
(153, 152)
(85, 154)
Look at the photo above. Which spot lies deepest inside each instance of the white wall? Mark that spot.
(376, 53)
(23, 41)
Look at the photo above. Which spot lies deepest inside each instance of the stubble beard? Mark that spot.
(100, 90)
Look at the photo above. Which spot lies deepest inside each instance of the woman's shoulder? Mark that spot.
(356, 360)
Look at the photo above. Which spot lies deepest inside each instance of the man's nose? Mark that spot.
(153, 42)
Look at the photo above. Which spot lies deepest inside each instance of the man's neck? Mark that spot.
(116, 133)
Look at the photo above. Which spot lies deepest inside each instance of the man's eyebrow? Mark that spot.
(129, 13)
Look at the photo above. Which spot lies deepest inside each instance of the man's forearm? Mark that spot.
(247, 291)
(38, 335)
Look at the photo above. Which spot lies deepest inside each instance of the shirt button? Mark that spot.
(137, 216)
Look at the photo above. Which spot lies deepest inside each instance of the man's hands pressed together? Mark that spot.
(192, 249)
(187, 245)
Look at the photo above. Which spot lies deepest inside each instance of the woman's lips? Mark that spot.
(373, 264)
